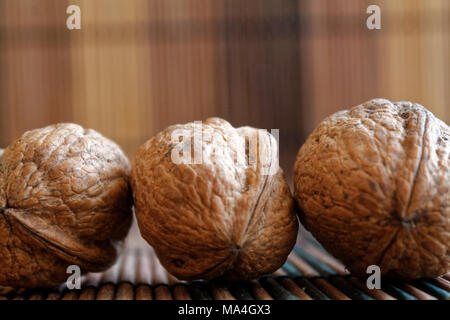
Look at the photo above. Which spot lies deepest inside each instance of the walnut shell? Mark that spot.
(373, 186)
(64, 200)
(221, 218)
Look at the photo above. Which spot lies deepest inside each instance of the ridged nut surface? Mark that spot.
(64, 200)
(373, 185)
(223, 217)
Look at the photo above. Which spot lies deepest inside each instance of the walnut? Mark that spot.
(373, 186)
(64, 200)
(225, 216)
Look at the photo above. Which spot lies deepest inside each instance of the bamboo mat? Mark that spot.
(309, 274)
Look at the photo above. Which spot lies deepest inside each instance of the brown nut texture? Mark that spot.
(64, 200)
(226, 217)
(372, 183)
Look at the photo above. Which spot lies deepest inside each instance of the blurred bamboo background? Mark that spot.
(137, 66)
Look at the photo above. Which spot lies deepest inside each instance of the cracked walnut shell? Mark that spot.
(64, 200)
(223, 217)
(373, 186)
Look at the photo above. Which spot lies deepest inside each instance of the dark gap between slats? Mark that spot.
(199, 291)
(348, 288)
(310, 289)
(330, 274)
(275, 289)
(431, 289)
(241, 291)
(395, 291)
